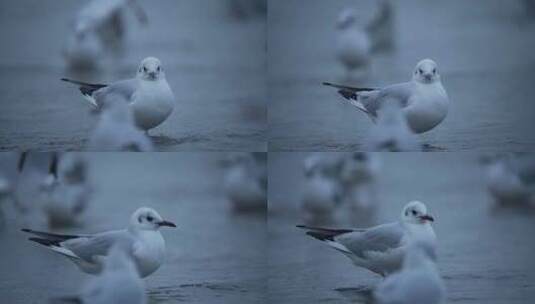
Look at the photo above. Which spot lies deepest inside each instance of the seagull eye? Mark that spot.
(434, 71)
(144, 69)
(420, 71)
(158, 69)
(149, 218)
(414, 212)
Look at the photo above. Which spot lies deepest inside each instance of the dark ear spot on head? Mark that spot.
(406, 212)
(139, 219)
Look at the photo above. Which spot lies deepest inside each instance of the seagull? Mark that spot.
(67, 191)
(381, 28)
(106, 18)
(380, 249)
(88, 252)
(83, 49)
(322, 194)
(510, 179)
(116, 129)
(358, 179)
(417, 282)
(245, 182)
(424, 101)
(392, 133)
(149, 96)
(118, 282)
(353, 45)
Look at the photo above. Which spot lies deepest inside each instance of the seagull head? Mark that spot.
(346, 19)
(148, 219)
(150, 69)
(415, 212)
(426, 71)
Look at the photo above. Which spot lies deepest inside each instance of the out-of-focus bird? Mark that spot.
(417, 282)
(353, 45)
(118, 282)
(37, 171)
(381, 28)
(391, 132)
(358, 177)
(116, 129)
(245, 181)
(510, 180)
(322, 194)
(99, 27)
(67, 192)
(83, 50)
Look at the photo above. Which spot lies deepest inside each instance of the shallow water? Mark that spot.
(484, 54)
(214, 256)
(485, 256)
(213, 63)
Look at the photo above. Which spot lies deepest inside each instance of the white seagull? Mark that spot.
(322, 194)
(149, 96)
(245, 182)
(353, 45)
(118, 282)
(116, 129)
(380, 248)
(423, 100)
(418, 281)
(143, 238)
(392, 133)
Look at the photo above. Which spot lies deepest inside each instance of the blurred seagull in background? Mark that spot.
(245, 181)
(358, 177)
(89, 252)
(149, 96)
(353, 46)
(423, 100)
(510, 180)
(322, 194)
(98, 27)
(66, 191)
(380, 249)
(417, 282)
(116, 129)
(118, 282)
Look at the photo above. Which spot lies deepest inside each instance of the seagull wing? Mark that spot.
(381, 238)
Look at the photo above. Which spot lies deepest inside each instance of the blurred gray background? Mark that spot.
(214, 256)
(214, 64)
(484, 50)
(484, 256)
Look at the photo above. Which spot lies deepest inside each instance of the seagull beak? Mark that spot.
(427, 218)
(152, 75)
(166, 223)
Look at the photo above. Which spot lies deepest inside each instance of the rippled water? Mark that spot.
(214, 256)
(484, 54)
(214, 65)
(485, 256)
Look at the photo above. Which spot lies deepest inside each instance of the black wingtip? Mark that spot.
(26, 230)
(44, 242)
(65, 79)
(320, 236)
